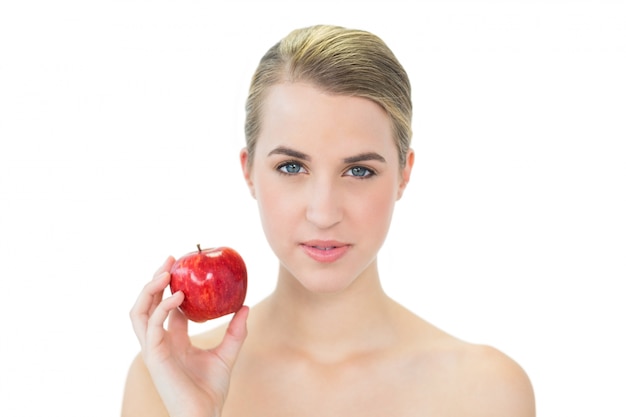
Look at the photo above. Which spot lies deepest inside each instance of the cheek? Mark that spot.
(378, 193)
(376, 210)
(276, 208)
(372, 211)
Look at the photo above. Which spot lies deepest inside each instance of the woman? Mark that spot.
(328, 132)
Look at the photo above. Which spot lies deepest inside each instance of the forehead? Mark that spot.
(304, 116)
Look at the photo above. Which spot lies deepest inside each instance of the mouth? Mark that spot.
(325, 251)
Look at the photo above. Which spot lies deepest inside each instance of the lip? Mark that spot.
(325, 251)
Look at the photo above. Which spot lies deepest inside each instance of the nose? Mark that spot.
(324, 204)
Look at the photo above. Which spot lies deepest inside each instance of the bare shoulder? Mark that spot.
(210, 338)
(461, 378)
(493, 383)
(482, 380)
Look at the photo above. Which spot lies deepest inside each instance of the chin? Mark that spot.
(325, 280)
(325, 286)
(331, 277)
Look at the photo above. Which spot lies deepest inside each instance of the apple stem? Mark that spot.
(198, 246)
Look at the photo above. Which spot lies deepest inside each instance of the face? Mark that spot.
(326, 177)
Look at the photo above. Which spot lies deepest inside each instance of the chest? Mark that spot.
(296, 389)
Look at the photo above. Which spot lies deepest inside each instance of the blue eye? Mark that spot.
(360, 172)
(291, 168)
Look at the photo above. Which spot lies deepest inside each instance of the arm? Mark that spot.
(140, 396)
(172, 377)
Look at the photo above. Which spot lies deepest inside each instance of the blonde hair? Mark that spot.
(339, 61)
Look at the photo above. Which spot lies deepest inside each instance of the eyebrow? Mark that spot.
(365, 156)
(282, 150)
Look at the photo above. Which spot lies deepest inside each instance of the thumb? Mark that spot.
(235, 335)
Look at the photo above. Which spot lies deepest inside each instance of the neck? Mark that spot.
(329, 326)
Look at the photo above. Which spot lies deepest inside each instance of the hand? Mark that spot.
(190, 381)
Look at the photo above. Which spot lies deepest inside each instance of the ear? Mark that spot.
(246, 168)
(406, 173)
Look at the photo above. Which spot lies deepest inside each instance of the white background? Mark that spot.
(120, 126)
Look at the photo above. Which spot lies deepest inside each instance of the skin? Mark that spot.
(328, 340)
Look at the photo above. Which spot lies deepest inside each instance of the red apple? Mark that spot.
(214, 282)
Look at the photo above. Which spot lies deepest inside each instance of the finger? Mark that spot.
(155, 332)
(157, 287)
(236, 333)
(167, 265)
(177, 325)
(151, 294)
(146, 303)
